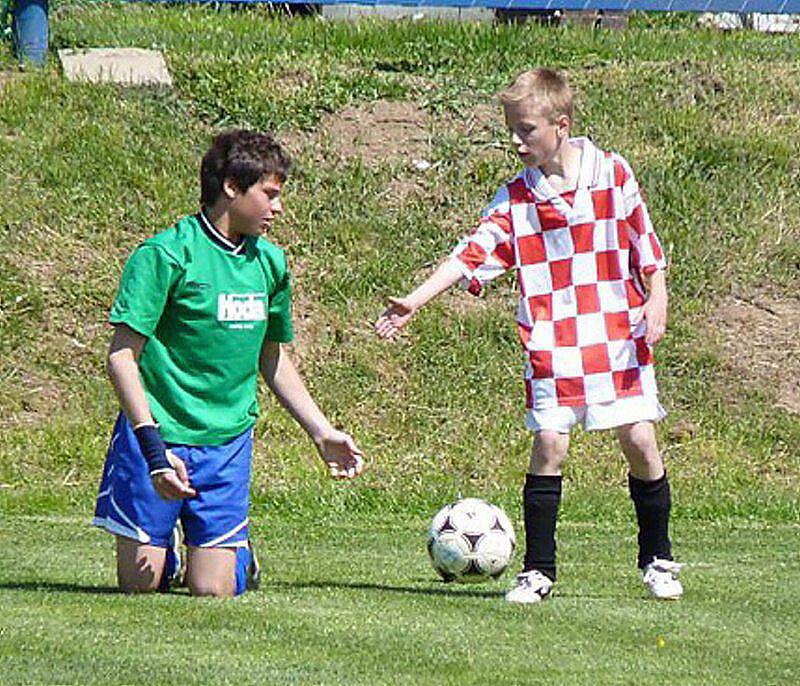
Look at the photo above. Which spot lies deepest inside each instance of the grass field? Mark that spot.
(711, 123)
(352, 600)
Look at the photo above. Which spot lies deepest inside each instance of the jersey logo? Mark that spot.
(241, 307)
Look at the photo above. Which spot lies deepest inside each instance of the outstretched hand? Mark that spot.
(394, 317)
(340, 454)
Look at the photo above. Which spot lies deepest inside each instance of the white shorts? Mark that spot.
(597, 417)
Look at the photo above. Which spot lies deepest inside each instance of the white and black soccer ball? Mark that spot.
(470, 540)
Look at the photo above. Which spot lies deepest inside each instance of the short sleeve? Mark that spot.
(144, 287)
(487, 252)
(648, 256)
(279, 316)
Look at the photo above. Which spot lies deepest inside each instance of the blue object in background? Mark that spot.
(30, 31)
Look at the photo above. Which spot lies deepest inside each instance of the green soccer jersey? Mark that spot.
(205, 311)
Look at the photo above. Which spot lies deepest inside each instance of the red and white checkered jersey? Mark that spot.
(580, 257)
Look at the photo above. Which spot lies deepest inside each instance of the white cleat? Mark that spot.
(532, 587)
(661, 579)
(176, 558)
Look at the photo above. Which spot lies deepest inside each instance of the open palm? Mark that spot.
(394, 317)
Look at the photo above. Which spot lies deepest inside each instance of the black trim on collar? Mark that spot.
(217, 238)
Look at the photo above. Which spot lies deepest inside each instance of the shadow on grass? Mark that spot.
(452, 590)
(55, 587)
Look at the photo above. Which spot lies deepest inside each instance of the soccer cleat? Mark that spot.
(661, 579)
(532, 587)
(174, 573)
(253, 577)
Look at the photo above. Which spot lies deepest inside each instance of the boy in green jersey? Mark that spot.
(202, 308)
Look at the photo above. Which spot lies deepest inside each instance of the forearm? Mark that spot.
(446, 275)
(285, 382)
(123, 371)
(657, 285)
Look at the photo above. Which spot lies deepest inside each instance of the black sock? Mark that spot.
(540, 499)
(652, 500)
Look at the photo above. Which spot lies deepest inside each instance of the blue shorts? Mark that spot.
(218, 516)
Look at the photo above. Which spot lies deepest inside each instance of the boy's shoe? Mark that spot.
(661, 579)
(253, 576)
(174, 573)
(532, 587)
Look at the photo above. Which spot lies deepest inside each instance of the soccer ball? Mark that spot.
(470, 540)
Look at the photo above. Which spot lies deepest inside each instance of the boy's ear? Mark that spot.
(230, 189)
(563, 123)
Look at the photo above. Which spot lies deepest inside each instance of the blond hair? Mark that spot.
(546, 88)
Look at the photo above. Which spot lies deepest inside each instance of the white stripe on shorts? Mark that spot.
(221, 539)
(125, 528)
(114, 527)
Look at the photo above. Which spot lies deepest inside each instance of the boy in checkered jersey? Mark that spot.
(593, 302)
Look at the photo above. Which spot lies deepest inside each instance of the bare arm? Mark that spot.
(123, 370)
(401, 310)
(336, 448)
(655, 309)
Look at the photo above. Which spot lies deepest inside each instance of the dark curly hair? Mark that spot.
(244, 157)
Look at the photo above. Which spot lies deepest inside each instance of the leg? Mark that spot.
(139, 566)
(649, 489)
(638, 442)
(211, 571)
(549, 452)
(31, 31)
(216, 524)
(541, 498)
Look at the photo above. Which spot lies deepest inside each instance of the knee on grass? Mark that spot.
(212, 572)
(146, 580)
(215, 588)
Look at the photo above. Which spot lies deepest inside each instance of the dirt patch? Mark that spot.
(400, 131)
(698, 83)
(380, 131)
(292, 80)
(760, 340)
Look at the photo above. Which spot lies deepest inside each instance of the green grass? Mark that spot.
(351, 600)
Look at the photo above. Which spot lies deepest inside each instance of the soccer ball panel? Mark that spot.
(472, 515)
(470, 540)
(493, 552)
(450, 553)
(439, 521)
(504, 523)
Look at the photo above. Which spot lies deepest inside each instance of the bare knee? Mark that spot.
(139, 566)
(215, 588)
(549, 452)
(638, 442)
(211, 572)
(137, 585)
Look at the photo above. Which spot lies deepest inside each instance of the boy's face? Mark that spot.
(252, 213)
(535, 136)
